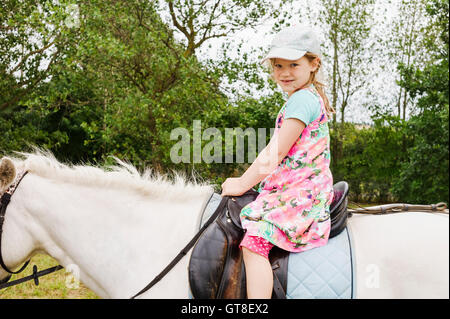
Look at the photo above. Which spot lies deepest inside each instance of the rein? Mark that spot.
(4, 201)
(398, 208)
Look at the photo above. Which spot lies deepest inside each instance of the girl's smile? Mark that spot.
(292, 75)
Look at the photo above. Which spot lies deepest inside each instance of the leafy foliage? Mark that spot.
(425, 176)
(118, 80)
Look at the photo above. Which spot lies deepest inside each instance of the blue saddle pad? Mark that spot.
(325, 272)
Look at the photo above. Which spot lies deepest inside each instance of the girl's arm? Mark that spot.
(268, 159)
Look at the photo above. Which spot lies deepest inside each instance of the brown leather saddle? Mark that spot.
(216, 268)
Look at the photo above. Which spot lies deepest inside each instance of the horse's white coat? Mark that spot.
(403, 255)
(121, 238)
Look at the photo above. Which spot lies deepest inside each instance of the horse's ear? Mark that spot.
(7, 172)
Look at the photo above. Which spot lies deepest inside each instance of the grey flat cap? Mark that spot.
(292, 43)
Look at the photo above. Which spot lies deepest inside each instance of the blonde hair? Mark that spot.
(320, 87)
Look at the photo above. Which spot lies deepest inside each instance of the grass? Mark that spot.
(52, 286)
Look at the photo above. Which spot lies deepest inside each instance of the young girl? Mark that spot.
(296, 189)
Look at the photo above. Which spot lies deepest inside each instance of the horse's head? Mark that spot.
(7, 173)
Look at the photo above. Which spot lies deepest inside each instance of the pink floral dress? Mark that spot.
(292, 209)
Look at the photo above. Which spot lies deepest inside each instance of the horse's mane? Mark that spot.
(122, 176)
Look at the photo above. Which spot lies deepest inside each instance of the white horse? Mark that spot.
(120, 228)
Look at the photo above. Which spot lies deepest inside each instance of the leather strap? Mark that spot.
(5, 199)
(279, 259)
(278, 291)
(36, 274)
(400, 207)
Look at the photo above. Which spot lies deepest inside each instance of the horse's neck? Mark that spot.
(118, 240)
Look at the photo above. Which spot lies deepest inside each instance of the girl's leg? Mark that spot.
(258, 274)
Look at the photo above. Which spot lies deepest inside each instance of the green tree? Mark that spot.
(371, 159)
(33, 38)
(201, 21)
(424, 177)
(405, 45)
(135, 84)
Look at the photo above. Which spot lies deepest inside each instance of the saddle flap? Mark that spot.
(207, 263)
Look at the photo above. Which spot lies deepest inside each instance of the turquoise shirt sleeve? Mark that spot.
(303, 105)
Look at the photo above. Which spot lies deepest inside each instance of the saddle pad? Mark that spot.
(210, 208)
(323, 273)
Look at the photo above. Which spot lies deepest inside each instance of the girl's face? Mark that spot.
(292, 75)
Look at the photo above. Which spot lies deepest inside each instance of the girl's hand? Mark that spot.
(233, 187)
